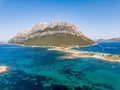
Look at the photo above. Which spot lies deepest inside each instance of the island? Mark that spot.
(55, 33)
(109, 40)
(61, 36)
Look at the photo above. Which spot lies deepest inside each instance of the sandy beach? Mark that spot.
(80, 54)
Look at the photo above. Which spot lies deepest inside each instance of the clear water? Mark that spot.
(42, 69)
(103, 47)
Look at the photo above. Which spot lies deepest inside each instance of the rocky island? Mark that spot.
(3, 69)
(55, 33)
(62, 36)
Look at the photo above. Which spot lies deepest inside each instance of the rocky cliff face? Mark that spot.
(44, 29)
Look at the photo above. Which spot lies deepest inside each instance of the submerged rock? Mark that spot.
(59, 87)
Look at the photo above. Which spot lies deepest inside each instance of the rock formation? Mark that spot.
(3, 69)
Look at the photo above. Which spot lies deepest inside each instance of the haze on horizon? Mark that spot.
(95, 18)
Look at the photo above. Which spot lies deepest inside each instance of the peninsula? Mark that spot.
(82, 54)
(61, 36)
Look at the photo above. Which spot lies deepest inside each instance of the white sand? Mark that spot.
(80, 54)
(3, 69)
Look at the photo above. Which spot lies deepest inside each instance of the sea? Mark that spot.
(33, 68)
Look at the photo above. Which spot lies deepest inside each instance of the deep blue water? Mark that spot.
(42, 69)
(103, 47)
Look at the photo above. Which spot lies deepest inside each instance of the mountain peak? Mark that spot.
(43, 25)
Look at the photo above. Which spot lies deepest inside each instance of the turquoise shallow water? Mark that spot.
(42, 69)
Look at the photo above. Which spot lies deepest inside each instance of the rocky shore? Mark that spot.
(3, 69)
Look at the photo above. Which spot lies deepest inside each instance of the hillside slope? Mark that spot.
(58, 40)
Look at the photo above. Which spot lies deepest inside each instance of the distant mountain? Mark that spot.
(1, 41)
(55, 33)
(109, 40)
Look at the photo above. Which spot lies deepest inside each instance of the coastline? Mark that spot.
(71, 54)
(35, 46)
(83, 54)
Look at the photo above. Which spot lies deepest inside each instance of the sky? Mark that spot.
(95, 18)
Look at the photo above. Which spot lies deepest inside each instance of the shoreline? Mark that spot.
(83, 54)
(71, 54)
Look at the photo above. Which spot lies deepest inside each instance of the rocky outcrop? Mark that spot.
(43, 29)
(3, 69)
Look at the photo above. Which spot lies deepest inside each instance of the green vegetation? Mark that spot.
(113, 57)
(63, 40)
